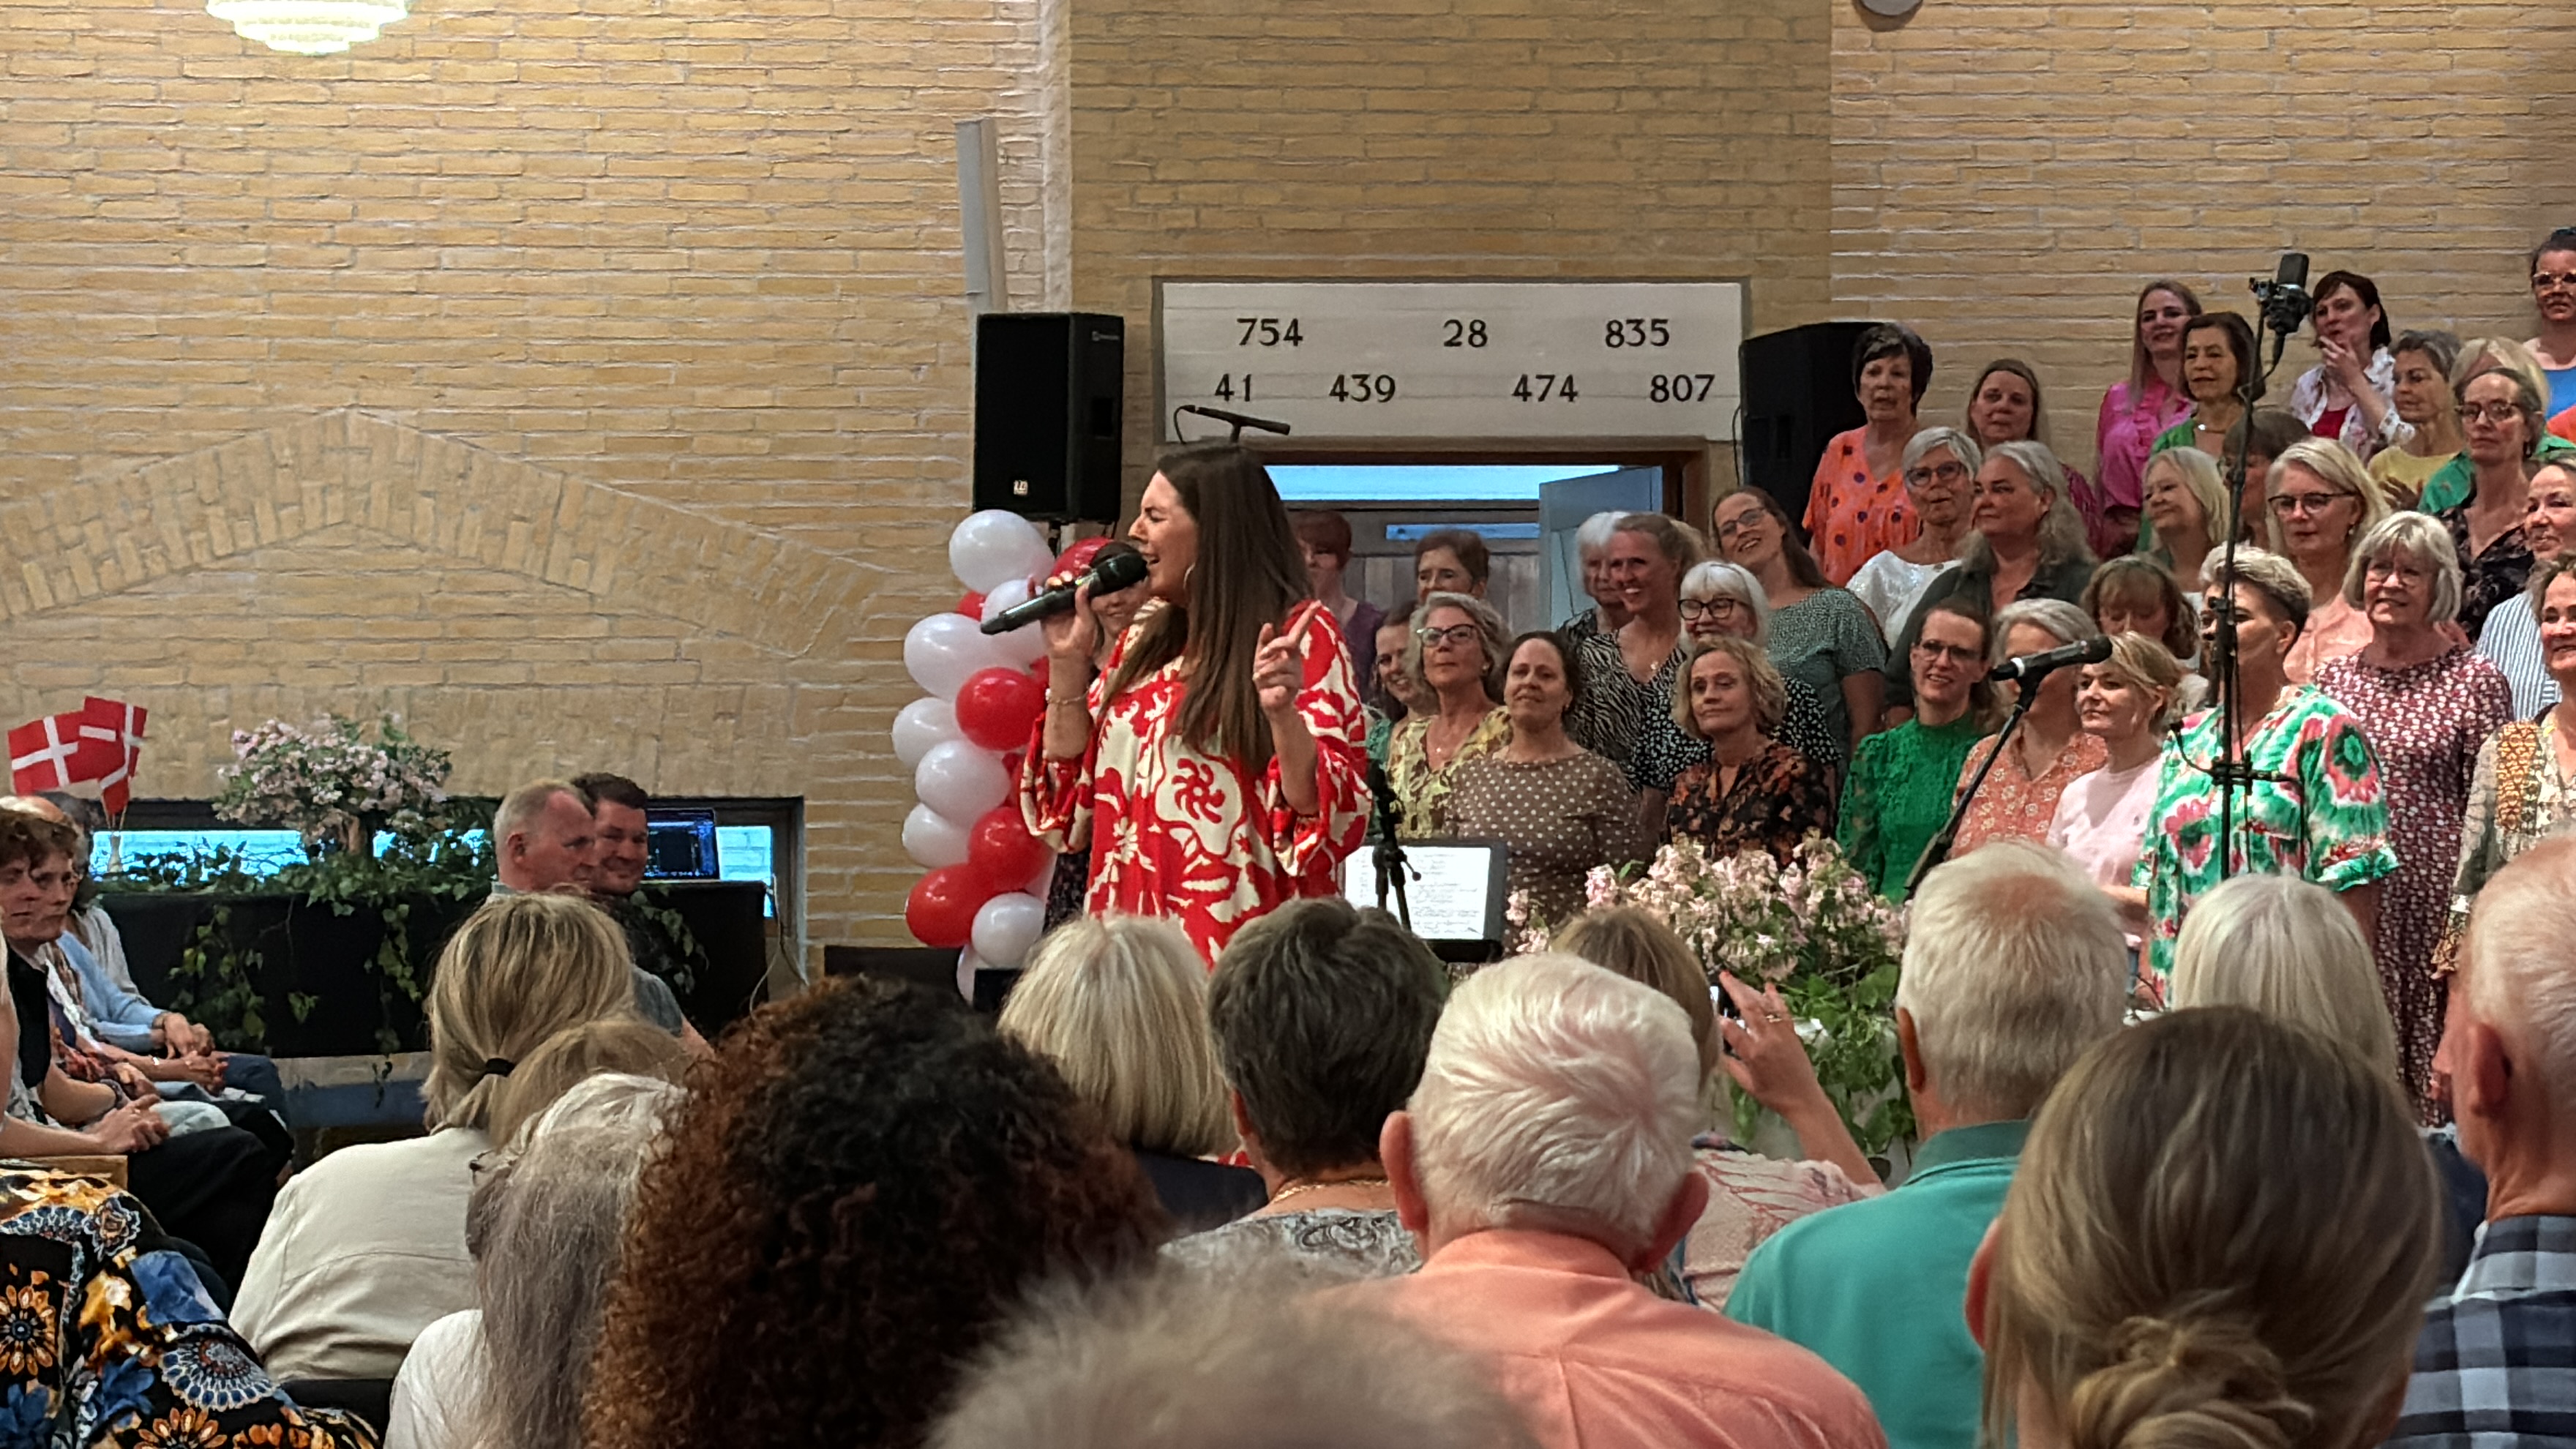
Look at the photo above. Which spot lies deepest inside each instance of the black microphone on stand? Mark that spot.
(1241, 421)
(1119, 566)
(2285, 298)
(2034, 666)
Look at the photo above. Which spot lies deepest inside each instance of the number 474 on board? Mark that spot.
(1545, 387)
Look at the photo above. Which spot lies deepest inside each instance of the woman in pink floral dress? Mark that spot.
(1217, 768)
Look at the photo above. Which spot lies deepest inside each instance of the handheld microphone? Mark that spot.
(2035, 666)
(1241, 421)
(1119, 566)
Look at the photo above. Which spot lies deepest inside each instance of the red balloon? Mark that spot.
(996, 708)
(1000, 850)
(1080, 555)
(941, 909)
(971, 604)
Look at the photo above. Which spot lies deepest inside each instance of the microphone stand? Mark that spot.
(2229, 772)
(1939, 850)
(1388, 854)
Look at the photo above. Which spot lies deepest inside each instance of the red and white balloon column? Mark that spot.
(986, 881)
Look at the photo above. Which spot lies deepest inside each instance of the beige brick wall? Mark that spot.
(1446, 138)
(696, 272)
(2007, 175)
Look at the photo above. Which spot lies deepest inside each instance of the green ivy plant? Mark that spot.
(216, 981)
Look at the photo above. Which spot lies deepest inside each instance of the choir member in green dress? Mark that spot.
(1902, 781)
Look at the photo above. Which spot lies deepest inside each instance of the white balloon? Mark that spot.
(921, 724)
(1023, 645)
(942, 650)
(995, 546)
(1044, 880)
(932, 839)
(961, 781)
(968, 963)
(1007, 926)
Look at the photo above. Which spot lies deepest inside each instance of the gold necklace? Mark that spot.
(1294, 1188)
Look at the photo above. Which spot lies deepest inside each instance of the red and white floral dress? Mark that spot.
(1204, 841)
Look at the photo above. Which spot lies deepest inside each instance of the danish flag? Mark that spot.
(96, 746)
(112, 737)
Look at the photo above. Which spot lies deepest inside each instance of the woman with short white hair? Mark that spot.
(1723, 600)
(2314, 807)
(2320, 502)
(1937, 466)
(2050, 751)
(1608, 610)
(2427, 702)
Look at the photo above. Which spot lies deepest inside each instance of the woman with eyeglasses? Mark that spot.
(2136, 412)
(2457, 478)
(1938, 464)
(1723, 600)
(2318, 502)
(1898, 794)
(1818, 633)
(2029, 544)
(1455, 659)
(2347, 397)
(2315, 807)
(1752, 792)
(2501, 411)
(2427, 703)
(2553, 294)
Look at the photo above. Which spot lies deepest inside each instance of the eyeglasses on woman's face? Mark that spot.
(1458, 634)
(1956, 654)
(2290, 505)
(1951, 471)
(1724, 606)
(2497, 413)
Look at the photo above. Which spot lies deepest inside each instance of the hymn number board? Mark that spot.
(1456, 360)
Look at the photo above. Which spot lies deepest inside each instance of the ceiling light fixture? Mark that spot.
(308, 27)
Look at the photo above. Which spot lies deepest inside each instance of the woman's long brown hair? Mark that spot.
(1250, 572)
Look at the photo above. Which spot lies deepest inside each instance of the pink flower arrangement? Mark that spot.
(328, 780)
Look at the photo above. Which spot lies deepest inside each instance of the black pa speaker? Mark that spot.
(1050, 395)
(1797, 394)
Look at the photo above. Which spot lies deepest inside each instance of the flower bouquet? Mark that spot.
(333, 785)
(1814, 929)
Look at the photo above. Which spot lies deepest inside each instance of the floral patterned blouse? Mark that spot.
(2323, 818)
(2518, 797)
(108, 1337)
(1778, 796)
(1208, 842)
(1420, 790)
(2014, 805)
(2486, 579)
(1851, 516)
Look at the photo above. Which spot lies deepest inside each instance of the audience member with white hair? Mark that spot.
(2015, 965)
(2497, 1359)
(2289, 950)
(2220, 1238)
(1119, 1005)
(1321, 1015)
(1543, 1160)
(1176, 1360)
(1750, 1196)
(544, 1226)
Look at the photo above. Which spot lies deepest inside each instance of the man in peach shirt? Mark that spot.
(1546, 1156)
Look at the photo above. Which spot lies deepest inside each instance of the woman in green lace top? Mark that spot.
(1902, 781)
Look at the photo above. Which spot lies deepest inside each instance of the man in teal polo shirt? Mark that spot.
(2015, 964)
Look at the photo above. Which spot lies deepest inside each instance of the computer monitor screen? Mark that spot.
(680, 845)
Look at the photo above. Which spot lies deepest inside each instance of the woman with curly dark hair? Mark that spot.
(862, 1182)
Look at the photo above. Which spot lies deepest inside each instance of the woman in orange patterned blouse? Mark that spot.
(1218, 767)
(2019, 799)
(1856, 507)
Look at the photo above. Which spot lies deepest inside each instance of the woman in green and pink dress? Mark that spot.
(2315, 807)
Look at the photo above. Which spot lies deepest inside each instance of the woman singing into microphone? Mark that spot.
(1216, 768)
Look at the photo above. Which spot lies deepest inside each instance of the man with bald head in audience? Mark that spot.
(2496, 1363)
(1543, 1160)
(545, 840)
